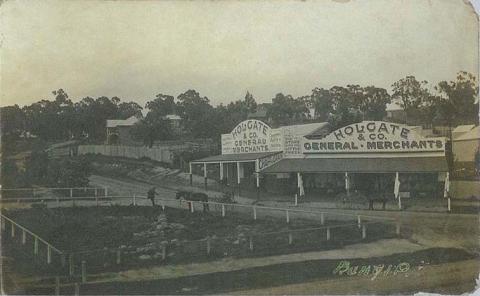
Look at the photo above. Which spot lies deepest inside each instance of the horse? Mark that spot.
(194, 196)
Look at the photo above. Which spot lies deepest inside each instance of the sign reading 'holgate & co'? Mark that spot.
(373, 136)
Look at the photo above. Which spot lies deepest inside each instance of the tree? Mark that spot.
(12, 123)
(287, 110)
(92, 115)
(197, 114)
(344, 110)
(162, 105)
(411, 93)
(250, 103)
(129, 109)
(461, 95)
(322, 101)
(373, 103)
(152, 128)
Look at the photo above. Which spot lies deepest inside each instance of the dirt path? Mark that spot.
(450, 278)
(376, 249)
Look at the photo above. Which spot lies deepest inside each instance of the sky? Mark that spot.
(137, 49)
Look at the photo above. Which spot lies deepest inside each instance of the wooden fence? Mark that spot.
(76, 266)
(158, 154)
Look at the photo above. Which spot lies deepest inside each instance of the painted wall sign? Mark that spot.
(227, 144)
(249, 136)
(276, 139)
(292, 142)
(269, 160)
(373, 136)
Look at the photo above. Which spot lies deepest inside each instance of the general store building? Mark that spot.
(373, 158)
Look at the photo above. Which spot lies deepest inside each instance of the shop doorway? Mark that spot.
(374, 185)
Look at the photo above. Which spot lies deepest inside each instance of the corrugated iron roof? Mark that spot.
(473, 134)
(360, 165)
(234, 157)
(122, 122)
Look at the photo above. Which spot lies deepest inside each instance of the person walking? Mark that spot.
(151, 195)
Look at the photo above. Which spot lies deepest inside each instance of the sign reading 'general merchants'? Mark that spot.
(249, 136)
(373, 136)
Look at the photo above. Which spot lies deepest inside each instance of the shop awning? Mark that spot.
(234, 157)
(359, 165)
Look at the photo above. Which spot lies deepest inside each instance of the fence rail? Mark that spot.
(191, 204)
(35, 236)
(77, 265)
(49, 193)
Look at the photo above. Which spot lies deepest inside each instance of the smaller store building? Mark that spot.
(371, 158)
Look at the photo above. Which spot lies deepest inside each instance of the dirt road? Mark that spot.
(430, 229)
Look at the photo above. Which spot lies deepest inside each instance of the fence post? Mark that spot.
(328, 233)
(49, 254)
(322, 218)
(24, 237)
(84, 271)
(96, 192)
(364, 231)
(449, 205)
(57, 285)
(397, 228)
(296, 199)
(359, 221)
(251, 244)
(77, 289)
(33, 192)
(134, 199)
(119, 256)
(71, 266)
(13, 229)
(208, 245)
(191, 207)
(290, 238)
(254, 213)
(35, 246)
(223, 210)
(71, 192)
(287, 216)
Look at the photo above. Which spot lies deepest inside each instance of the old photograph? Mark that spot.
(238, 147)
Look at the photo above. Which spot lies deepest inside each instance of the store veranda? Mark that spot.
(370, 159)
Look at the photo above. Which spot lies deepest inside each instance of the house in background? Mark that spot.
(175, 123)
(465, 143)
(261, 113)
(395, 112)
(118, 131)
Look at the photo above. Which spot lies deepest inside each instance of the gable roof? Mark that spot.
(122, 122)
(172, 117)
(309, 129)
(463, 128)
(473, 134)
